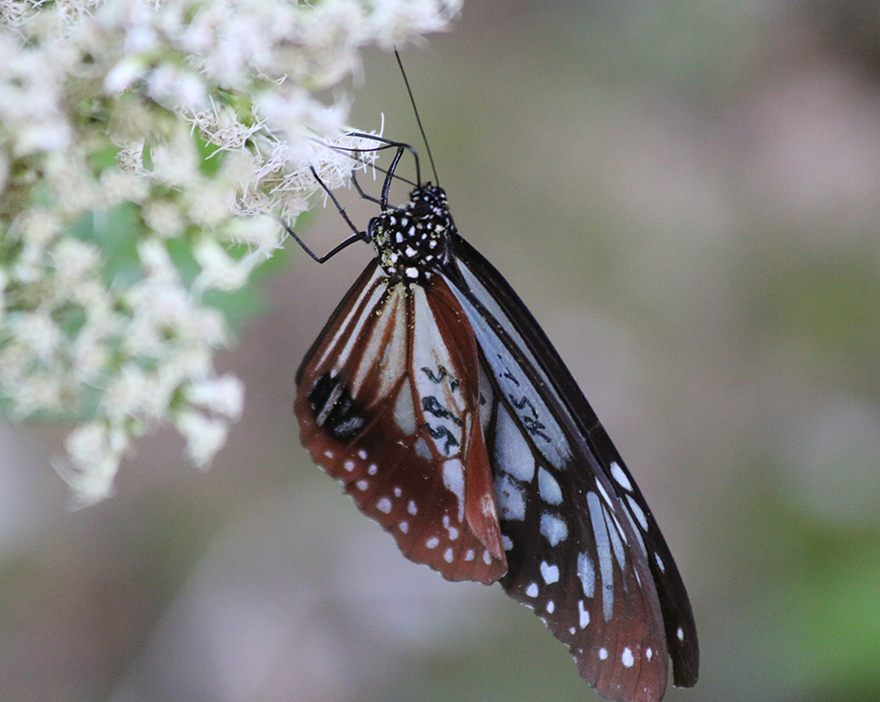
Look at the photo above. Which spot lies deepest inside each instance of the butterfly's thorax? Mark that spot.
(413, 240)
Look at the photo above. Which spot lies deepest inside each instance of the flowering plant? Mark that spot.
(139, 139)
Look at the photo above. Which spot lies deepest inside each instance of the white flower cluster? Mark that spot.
(141, 144)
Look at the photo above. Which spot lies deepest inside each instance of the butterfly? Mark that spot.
(437, 400)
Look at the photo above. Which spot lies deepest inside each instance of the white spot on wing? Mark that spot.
(637, 512)
(614, 534)
(605, 497)
(550, 606)
(649, 653)
(510, 498)
(384, 505)
(362, 485)
(550, 573)
(433, 542)
(411, 508)
(486, 397)
(532, 590)
(423, 450)
(548, 488)
(583, 615)
(603, 654)
(447, 556)
(587, 574)
(404, 527)
(680, 634)
(348, 465)
(404, 414)
(487, 506)
(553, 528)
(506, 542)
(603, 549)
(618, 474)
(627, 658)
(453, 479)
(512, 453)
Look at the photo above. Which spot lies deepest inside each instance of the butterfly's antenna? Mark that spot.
(418, 119)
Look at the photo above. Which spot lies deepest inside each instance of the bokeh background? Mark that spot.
(687, 196)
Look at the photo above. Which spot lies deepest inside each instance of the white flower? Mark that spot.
(94, 449)
(135, 392)
(219, 270)
(131, 158)
(263, 232)
(175, 160)
(138, 128)
(4, 281)
(90, 355)
(164, 218)
(125, 73)
(38, 391)
(37, 227)
(39, 333)
(223, 396)
(225, 130)
(204, 436)
(174, 85)
(208, 204)
(75, 262)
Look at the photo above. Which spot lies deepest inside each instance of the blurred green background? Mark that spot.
(687, 196)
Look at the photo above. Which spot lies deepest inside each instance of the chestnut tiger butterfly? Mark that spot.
(436, 399)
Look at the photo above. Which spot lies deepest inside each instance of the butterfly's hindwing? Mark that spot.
(396, 419)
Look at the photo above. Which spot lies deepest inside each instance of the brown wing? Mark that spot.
(388, 402)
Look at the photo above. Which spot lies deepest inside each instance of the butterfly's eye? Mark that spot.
(373, 227)
(421, 208)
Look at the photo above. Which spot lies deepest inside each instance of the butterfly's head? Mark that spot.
(412, 240)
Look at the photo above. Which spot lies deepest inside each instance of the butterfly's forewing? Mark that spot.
(388, 403)
(582, 545)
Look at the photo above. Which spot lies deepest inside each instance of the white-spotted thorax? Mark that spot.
(414, 239)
